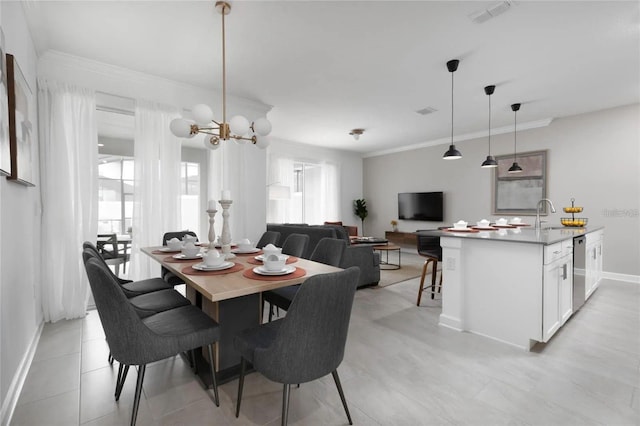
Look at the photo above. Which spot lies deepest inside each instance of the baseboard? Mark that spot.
(621, 277)
(13, 393)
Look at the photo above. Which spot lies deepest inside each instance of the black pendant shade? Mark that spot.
(490, 162)
(452, 153)
(515, 167)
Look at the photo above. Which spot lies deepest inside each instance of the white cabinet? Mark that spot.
(593, 261)
(557, 288)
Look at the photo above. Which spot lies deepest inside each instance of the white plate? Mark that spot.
(170, 250)
(203, 266)
(260, 270)
(184, 257)
(238, 251)
(260, 257)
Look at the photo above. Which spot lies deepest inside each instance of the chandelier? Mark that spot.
(238, 128)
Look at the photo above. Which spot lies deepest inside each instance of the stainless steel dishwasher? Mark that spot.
(579, 260)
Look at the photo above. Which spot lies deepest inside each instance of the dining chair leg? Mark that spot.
(110, 358)
(122, 376)
(342, 398)
(212, 366)
(270, 312)
(285, 404)
(243, 366)
(136, 399)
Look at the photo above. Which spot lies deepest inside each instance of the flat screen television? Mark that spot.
(427, 206)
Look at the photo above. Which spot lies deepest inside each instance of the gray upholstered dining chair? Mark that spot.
(309, 342)
(295, 244)
(328, 251)
(166, 274)
(139, 341)
(148, 303)
(148, 297)
(269, 237)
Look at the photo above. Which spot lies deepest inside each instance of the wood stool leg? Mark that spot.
(424, 274)
(434, 271)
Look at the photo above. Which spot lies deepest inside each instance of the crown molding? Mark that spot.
(464, 137)
(53, 60)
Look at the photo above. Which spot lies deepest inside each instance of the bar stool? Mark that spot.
(429, 247)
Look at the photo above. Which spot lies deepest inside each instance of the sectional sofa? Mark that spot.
(355, 255)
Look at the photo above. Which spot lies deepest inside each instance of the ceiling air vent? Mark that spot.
(491, 12)
(425, 111)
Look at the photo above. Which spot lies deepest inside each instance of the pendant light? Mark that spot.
(515, 167)
(490, 162)
(452, 153)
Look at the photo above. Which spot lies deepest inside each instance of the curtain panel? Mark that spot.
(68, 142)
(156, 193)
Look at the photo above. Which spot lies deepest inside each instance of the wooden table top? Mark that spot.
(228, 286)
(389, 246)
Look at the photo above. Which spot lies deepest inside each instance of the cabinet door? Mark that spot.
(550, 300)
(565, 283)
(590, 269)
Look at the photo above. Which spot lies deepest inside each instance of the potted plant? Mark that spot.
(394, 225)
(360, 210)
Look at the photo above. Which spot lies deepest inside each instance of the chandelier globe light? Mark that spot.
(238, 129)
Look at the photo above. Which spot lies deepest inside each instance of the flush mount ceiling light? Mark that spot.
(238, 128)
(515, 167)
(490, 162)
(356, 133)
(452, 153)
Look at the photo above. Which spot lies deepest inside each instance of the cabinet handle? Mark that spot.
(564, 271)
(557, 252)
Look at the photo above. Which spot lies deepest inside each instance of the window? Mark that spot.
(115, 194)
(302, 192)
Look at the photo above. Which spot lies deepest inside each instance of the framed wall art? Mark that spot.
(519, 193)
(20, 126)
(5, 148)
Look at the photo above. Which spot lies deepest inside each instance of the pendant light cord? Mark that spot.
(489, 124)
(515, 135)
(452, 107)
(224, 71)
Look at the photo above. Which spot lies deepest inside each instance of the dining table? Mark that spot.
(232, 297)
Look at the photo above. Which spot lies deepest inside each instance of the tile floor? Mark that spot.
(400, 368)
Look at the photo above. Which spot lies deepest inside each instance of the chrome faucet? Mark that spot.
(540, 203)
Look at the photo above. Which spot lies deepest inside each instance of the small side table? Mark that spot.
(387, 248)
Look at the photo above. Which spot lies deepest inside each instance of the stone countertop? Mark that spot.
(523, 234)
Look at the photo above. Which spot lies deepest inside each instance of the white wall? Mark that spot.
(593, 158)
(20, 313)
(349, 165)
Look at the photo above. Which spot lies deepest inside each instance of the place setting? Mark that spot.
(484, 225)
(274, 268)
(460, 226)
(503, 223)
(214, 263)
(245, 247)
(188, 252)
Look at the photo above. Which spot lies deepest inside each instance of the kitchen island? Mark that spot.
(514, 285)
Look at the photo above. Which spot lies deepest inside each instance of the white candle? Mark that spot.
(226, 194)
(212, 204)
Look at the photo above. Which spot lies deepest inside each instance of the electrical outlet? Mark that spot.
(451, 263)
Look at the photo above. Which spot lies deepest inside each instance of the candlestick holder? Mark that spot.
(225, 240)
(212, 232)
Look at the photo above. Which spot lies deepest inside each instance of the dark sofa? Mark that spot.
(357, 255)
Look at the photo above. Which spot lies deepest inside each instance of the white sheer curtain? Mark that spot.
(280, 188)
(330, 191)
(156, 193)
(68, 140)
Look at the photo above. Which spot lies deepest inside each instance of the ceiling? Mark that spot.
(327, 67)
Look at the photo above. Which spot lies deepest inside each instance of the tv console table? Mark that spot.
(407, 240)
